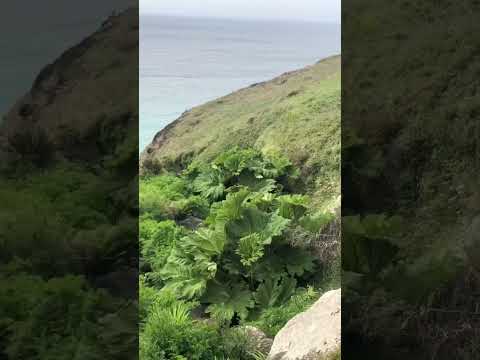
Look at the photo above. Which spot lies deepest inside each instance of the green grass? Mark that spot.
(297, 114)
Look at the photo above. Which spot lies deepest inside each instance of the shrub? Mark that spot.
(170, 333)
(32, 144)
(239, 266)
(157, 239)
(273, 319)
(169, 197)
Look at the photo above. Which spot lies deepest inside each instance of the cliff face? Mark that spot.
(86, 91)
(297, 114)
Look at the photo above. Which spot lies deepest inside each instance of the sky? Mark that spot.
(307, 10)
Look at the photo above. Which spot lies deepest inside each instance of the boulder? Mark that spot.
(191, 222)
(259, 340)
(317, 330)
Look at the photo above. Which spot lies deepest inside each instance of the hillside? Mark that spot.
(69, 194)
(73, 101)
(410, 149)
(232, 217)
(236, 228)
(296, 114)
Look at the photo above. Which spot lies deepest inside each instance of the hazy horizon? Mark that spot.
(238, 18)
(327, 11)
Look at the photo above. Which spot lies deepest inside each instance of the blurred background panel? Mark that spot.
(68, 180)
(410, 163)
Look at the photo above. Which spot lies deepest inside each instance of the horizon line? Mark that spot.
(241, 18)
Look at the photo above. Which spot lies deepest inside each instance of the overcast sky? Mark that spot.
(309, 10)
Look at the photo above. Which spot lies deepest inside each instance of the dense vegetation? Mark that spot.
(66, 228)
(225, 244)
(297, 114)
(410, 149)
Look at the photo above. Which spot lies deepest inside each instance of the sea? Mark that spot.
(34, 34)
(185, 62)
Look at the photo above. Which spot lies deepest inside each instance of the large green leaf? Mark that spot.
(231, 207)
(235, 160)
(369, 243)
(274, 292)
(254, 220)
(317, 222)
(229, 299)
(207, 241)
(188, 269)
(250, 249)
(255, 183)
(210, 184)
(251, 221)
(275, 226)
(297, 261)
(292, 206)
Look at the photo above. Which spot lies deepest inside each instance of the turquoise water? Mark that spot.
(185, 62)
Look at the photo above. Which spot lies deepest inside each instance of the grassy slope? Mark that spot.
(425, 127)
(416, 112)
(297, 114)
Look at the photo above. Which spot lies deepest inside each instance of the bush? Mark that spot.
(238, 266)
(273, 319)
(71, 313)
(170, 333)
(157, 239)
(169, 197)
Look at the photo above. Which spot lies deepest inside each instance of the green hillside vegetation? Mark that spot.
(221, 240)
(68, 220)
(410, 151)
(61, 225)
(235, 197)
(296, 114)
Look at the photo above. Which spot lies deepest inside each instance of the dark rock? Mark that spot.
(191, 222)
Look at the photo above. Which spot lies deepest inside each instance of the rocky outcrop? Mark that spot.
(259, 340)
(315, 331)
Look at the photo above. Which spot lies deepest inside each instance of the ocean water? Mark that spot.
(185, 62)
(42, 35)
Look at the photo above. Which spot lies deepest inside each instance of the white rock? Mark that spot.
(316, 330)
